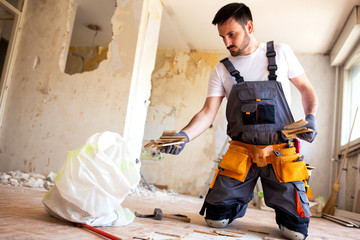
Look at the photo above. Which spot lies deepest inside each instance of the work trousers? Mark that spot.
(228, 199)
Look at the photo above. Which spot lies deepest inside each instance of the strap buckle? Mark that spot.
(272, 77)
(237, 76)
(272, 67)
(271, 54)
(235, 73)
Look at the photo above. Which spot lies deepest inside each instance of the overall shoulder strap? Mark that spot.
(233, 72)
(270, 54)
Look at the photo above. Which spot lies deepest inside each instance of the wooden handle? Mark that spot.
(347, 149)
(181, 218)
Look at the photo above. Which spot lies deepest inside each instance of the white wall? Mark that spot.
(318, 153)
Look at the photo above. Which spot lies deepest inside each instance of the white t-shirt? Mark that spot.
(253, 67)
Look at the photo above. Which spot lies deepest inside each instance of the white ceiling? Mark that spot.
(308, 26)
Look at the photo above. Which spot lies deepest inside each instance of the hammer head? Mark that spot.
(158, 214)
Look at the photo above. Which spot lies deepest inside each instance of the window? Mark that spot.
(345, 55)
(351, 99)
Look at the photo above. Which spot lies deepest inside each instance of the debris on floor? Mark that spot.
(317, 206)
(142, 190)
(35, 180)
(210, 235)
(32, 180)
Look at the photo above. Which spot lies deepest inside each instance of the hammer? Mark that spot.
(158, 215)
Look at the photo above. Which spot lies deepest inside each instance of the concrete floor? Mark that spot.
(22, 216)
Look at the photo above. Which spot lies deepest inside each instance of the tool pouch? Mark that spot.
(288, 168)
(235, 163)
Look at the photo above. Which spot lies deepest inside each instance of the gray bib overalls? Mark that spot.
(256, 113)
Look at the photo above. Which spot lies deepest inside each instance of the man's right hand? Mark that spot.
(173, 149)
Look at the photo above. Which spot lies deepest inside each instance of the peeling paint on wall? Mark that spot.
(36, 63)
(179, 89)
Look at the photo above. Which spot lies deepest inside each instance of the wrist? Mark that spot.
(182, 133)
(310, 117)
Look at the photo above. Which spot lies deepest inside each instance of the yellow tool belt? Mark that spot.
(288, 166)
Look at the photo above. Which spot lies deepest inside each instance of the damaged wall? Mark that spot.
(48, 112)
(179, 90)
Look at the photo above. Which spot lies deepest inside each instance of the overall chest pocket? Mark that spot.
(257, 105)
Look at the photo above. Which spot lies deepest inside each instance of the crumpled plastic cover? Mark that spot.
(93, 183)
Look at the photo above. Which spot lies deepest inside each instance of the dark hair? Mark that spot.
(239, 11)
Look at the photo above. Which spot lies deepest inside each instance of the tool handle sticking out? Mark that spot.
(177, 217)
(98, 231)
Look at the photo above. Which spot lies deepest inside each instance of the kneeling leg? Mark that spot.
(227, 200)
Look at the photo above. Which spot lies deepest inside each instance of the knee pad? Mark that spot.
(290, 234)
(218, 212)
(217, 223)
(288, 222)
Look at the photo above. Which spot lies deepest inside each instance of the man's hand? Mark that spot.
(173, 149)
(310, 136)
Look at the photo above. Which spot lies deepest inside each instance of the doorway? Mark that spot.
(10, 16)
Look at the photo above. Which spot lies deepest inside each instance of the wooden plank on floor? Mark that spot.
(349, 215)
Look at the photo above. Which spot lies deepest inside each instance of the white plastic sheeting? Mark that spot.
(93, 183)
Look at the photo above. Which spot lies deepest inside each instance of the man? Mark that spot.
(257, 110)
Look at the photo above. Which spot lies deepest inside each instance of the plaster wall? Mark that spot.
(48, 112)
(179, 90)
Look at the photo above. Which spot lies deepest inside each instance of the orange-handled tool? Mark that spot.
(98, 231)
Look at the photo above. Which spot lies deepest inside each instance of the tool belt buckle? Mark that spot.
(260, 155)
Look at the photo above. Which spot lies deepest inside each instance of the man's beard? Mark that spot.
(241, 48)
